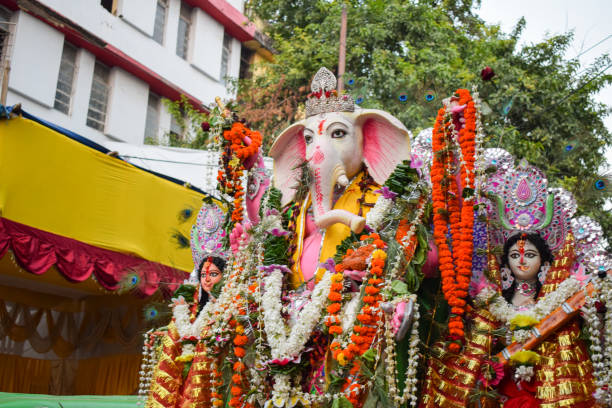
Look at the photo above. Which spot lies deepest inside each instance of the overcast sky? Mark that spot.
(591, 21)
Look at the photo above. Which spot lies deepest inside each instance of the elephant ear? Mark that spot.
(386, 142)
(288, 152)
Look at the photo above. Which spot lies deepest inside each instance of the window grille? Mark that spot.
(6, 44)
(160, 21)
(182, 40)
(65, 80)
(225, 57)
(152, 121)
(98, 99)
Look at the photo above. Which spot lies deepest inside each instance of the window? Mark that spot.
(109, 5)
(5, 32)
(160, 21)
(67, 71)
(152, 121)
(182, 41)
(98, 99)
(225, 56)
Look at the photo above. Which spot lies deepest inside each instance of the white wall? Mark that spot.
(238, 4)
(36, 59)
(162, 60)
(37, 54)
(127, 107)
(140, 13)
(207, 44)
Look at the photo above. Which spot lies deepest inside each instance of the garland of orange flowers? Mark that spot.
(455, 262)
(364, 332)
(238, 381)
(233, 157)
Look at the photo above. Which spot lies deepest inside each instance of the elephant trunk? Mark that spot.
(322, 190)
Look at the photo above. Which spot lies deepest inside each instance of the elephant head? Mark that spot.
(336, 144)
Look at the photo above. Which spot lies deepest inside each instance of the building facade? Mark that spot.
(100, 68)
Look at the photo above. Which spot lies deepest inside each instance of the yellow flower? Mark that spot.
(337, 277)
(239, 329)
(379, 254)
(525, 357)
(184, 358)
(341, 359)
(523, 321)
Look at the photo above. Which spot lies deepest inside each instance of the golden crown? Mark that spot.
(324, 97)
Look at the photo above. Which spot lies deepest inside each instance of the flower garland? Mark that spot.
(410, 382)
(365, 331)
(368, 321)
(600, 353)
(507, 314)
(243, 143)
(291, 345)
(455, 262)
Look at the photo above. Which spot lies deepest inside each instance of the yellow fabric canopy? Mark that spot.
(56, 184)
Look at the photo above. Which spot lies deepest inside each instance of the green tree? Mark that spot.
(189, 119)
(541, 104)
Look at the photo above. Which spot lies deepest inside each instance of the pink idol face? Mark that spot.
(333, 137)
(524, 260)
(209, 276)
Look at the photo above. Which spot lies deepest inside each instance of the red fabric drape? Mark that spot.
(37, 250)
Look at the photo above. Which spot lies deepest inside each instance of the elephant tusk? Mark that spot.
(353, 221)
(339, 175)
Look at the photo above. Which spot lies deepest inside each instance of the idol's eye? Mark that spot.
(338, 134)
(214, 274)
(308, 138)
(514, 255)
(531, 254)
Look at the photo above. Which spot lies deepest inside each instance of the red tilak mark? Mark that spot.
(521, 248)
(321, 123)
(318, 192)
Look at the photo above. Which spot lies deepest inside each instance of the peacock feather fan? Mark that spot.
(185, 214)
(129, 282)
(596, 187)
(155, 313)
(181, 240)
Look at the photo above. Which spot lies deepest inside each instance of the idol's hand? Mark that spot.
(402, 319)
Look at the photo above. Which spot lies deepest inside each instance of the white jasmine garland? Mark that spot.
(523, 373)
(288, 342)
(349, 313)
(376, 215)
(521, 336)
(505, 312)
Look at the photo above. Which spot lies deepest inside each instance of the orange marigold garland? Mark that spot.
(241, 144)
(455, 252)
(366, 328)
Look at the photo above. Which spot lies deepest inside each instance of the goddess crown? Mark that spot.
(207, 236)
(324, 97)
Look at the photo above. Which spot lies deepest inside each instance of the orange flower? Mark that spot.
(239, 367)
(239, 352)
(240, 340)
(333, 308)
(334, 296)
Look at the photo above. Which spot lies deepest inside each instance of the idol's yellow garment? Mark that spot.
(336, 233)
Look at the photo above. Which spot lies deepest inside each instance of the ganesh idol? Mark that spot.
(328, 168)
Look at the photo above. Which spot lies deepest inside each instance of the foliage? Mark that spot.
(405, 56)
(189, 120)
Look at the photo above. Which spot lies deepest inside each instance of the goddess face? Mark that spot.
(524, 260)
(209, 276)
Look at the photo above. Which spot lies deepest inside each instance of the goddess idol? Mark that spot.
(527, 300)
